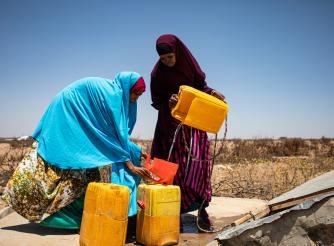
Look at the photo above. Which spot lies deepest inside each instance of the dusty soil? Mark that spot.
(247, 168)
(259, 168)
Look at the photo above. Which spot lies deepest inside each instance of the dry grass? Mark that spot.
(236, 151)
(257, 168)
(266, 168)
(266, 179)
(9, 158)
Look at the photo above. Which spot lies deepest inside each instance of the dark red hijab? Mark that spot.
(166, 81)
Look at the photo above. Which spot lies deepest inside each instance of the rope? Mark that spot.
(174, 139)
(189, 153)
(212, 230)
(194, 158)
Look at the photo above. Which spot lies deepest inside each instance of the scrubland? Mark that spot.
(266, 168)
(254, 168)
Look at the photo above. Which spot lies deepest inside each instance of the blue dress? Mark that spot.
(88, 125)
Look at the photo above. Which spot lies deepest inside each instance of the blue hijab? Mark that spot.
(88, 125)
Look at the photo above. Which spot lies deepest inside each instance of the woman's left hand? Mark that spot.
(173, 101)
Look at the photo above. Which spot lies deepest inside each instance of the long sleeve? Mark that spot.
(156, 99)
(206, 88)
(135, 153)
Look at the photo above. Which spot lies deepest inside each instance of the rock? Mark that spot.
(313, 226)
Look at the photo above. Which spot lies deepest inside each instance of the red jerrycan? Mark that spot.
(164, 170)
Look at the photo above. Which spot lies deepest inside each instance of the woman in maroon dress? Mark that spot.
(177, 67)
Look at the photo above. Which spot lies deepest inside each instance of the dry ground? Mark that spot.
(266, 168)
(266, 179)
(257, 168)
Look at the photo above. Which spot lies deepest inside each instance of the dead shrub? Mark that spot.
(267, 179)
(9, 159)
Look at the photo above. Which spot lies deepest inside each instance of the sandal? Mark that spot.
(204, 223)
(204, 217)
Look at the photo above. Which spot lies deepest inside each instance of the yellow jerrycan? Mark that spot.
(105, 215)
(200, 110)
(158, 218)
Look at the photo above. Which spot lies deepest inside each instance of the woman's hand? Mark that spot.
(173, 101)
(143, 155)
(140, 171)
(218, 95)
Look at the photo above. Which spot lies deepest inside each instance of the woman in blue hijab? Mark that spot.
(85, 129)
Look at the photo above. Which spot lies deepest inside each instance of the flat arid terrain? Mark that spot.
(256, 168)
(266, 168)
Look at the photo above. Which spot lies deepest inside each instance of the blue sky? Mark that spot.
(273, 60)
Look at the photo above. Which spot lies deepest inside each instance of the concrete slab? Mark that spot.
(230, 207)
(17, 231)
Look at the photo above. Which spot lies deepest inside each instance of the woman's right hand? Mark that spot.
(173, 101)
(140, 171)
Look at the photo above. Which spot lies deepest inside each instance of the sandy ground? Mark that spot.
(17, 231)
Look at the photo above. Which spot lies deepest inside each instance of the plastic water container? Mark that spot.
(163, 170)
(158, 218)
(200, 110)
(105, 215)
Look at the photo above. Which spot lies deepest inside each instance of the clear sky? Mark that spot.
(273, 60)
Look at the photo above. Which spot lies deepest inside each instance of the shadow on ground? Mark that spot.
(37, 229)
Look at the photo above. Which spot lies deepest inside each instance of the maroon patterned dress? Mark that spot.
(193, 176)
